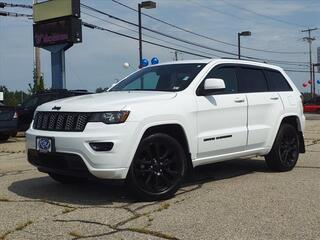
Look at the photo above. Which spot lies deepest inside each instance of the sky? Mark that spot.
(98, 61)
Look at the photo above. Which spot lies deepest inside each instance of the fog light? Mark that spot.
(101, 146)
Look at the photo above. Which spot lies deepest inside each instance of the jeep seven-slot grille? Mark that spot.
(61, 121)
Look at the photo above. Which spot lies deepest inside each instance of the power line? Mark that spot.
(13, 14)
(93, 26)
(204, 36)
(3, 5)
(179, 45)
(262, 15)
(147, 35)
(186, 41)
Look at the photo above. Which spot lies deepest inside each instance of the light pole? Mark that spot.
(313, 93)
(146, 5)
(245, 33)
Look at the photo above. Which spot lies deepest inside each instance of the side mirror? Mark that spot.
(212, 85)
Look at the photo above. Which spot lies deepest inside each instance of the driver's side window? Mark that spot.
(228, 75)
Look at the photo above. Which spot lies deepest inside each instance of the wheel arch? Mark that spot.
(294, 121)
(174, 130)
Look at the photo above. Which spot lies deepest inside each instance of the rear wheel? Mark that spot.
(285, 151)
(65, 179)
(158, 167)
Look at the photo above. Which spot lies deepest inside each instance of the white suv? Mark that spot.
(163, 120)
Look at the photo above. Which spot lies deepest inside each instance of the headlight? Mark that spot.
(110, 117)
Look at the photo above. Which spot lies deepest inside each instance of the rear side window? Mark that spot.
(277, 83)
(228, 74)
(252, 80)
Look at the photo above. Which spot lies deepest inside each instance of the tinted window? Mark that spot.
(174, 77)
(228, 74)
(252, 80)
(277, 82)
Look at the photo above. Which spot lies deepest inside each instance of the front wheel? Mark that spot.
(285, 151)
(158, 167)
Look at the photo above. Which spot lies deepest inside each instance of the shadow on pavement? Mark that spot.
(97, 193)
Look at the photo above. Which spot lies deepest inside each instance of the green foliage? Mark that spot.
(35, 87)
(12, 98)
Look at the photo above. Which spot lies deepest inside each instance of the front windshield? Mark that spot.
(174, 77)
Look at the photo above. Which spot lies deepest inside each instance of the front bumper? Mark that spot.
(113, 164)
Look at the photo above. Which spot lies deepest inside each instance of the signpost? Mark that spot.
(57, 27)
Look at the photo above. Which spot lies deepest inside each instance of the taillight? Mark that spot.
(15, 116)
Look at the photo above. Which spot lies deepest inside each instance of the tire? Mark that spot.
(158, 168)
(4, 137)
(65, 179)
(285, 151)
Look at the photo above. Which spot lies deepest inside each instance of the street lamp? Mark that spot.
(146, 5)
(245, 33)
(313, 83)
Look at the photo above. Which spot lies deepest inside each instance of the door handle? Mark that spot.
(239, 100)
(274, 98)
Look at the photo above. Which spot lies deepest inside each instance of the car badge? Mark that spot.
(56, 108)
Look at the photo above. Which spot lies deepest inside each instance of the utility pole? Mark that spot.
(36, 60)
(309, 39)
(176, 55)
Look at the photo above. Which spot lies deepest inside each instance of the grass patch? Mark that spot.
(67, 210)
(23, 226)
(75, 234)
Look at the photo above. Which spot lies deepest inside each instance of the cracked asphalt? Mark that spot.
(238, 199)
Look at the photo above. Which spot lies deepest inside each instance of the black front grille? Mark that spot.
(61, 121)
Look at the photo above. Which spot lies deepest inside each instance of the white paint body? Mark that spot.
(253, 120)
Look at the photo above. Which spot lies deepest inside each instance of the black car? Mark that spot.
(27, 109)
(8, 122)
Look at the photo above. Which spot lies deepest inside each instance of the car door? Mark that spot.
(264, 106)
(221, 117)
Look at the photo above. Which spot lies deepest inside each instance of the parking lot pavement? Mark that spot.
(238, 199)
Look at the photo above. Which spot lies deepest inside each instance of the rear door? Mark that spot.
(264, 106)
(222, 117)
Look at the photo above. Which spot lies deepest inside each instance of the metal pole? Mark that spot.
(310, 39)
(140, 35)
(310, 62)
(176, 55)
(314, 78)
(239, 46)
(37, 61)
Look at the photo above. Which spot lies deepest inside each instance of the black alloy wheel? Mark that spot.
(285, 151)
(158, 167)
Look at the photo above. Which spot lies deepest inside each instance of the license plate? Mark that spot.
(44, 144)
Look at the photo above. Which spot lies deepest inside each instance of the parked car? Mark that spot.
(26, 110)
(157, 124)
(312, 106)
(8, 122)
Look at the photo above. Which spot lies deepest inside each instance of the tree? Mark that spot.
(35, 87)
(12, 98)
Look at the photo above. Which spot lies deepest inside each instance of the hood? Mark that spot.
(107, 101)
